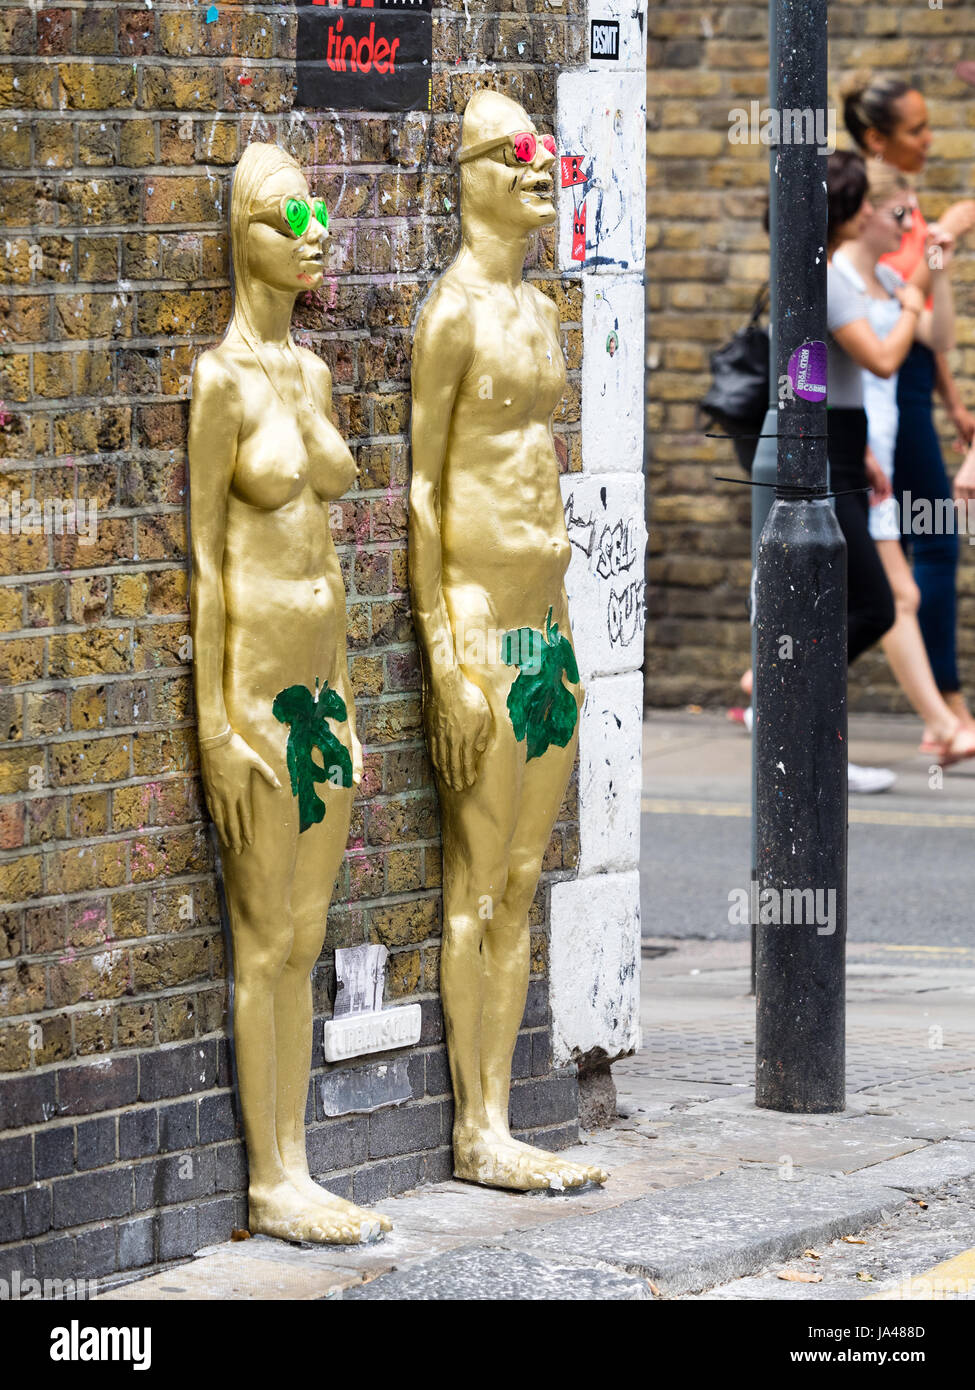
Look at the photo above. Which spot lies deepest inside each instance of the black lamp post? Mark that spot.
(800, 726)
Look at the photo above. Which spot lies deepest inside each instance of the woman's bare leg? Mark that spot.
(958, 705)
(904, 648)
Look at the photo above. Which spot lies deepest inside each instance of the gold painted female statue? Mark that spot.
(271, 674)
(488, 556)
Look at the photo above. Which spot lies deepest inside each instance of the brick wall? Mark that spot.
(120, 1145)
(707, 255)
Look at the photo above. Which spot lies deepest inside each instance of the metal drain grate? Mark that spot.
(946, 1087)
(716, 1057)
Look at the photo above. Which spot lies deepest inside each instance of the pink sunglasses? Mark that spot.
(523, 144)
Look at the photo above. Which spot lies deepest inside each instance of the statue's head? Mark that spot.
(506, 165)
(277, 229)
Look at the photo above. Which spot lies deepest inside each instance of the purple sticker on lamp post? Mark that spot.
(807, 371)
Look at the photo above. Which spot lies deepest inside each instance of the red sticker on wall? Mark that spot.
(572, 170)
(579, 232)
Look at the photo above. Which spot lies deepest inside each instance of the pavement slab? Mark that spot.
(820, 1143)
(925, 1169)
(229, 1271)
(486, 1273)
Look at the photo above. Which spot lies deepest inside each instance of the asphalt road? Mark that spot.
(911, 866)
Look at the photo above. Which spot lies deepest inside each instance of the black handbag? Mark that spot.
(738, 398)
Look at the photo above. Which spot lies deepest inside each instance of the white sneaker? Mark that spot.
(869, 779)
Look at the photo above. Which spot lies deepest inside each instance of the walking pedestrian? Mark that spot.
(870, 602)
(888, 119)
(946, 739)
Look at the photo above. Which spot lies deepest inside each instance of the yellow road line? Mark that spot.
(956, 1276)
(662, 806)
(927, 950)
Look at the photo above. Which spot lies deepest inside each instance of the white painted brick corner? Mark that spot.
(609, 774)
(595, 967)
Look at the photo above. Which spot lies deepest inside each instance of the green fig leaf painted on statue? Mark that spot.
(307, 716)
(543, 709)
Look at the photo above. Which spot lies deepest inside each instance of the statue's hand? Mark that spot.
(458, 720)
(227, 780)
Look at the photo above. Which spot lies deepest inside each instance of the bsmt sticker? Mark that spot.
(364, 55)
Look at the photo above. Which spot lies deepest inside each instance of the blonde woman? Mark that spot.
(893, 207)
(888, 119)
(271, 675)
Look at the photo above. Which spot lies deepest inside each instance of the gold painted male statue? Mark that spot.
(272, 683)
(488, 556)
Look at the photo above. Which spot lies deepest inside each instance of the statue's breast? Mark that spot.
(272, 464)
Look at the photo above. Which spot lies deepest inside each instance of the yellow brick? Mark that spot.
(90, 760)
(686, 144)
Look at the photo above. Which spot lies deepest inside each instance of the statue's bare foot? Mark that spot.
(321, 1196)
(287, 1214)
(500, 1161)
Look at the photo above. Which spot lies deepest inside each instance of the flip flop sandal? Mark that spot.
(941, 753)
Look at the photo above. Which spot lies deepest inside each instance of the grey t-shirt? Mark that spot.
(845, 303)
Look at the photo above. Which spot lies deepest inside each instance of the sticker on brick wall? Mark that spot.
(360, 977)
(364, 55)
(604, 39)
(360, 1024)
(574, 176)
(572, 170)
(579, 232)
(807, 371)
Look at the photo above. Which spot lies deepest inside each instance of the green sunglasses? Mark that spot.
(291, 215)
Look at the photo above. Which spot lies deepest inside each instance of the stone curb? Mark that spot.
(683, 1240)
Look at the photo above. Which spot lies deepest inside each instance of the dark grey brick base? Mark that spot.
(106, 1168)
